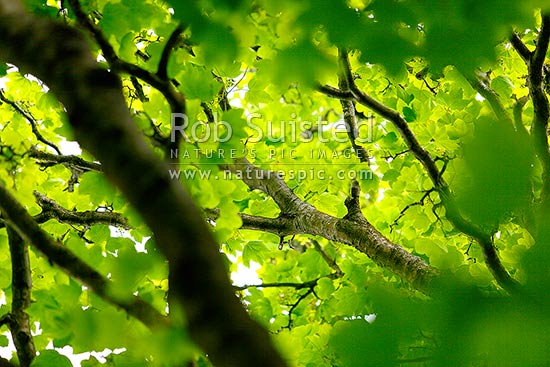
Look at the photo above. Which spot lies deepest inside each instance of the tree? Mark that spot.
(382, 164)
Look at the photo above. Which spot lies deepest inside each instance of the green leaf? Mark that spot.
(357, 343)
(503, 86)
(128, 268)
(391, 175)
(93, 332)
(302, 63)
(270, 58)
(256, 251)
(409, 114)
(220, 45)
(48, 358)
(499, 166)
(324, 288)
(199, 83)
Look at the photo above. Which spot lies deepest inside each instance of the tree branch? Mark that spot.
(539, 55)
(299, 217)
(21, 298)
(330, 262)
(27, 116)
(159, 81)
(167, 51)
(406, 133)
(279, 226)
(75, 164)
(540, 104)
(70, 161)
(353, 204)
(20, 220)
(408, 206)
(98, 114)
(452, 212)
(335, 93)
(52, 210)
(308, 284)
(520, 47)
(295, 304)
(348, 107)
(267, 181)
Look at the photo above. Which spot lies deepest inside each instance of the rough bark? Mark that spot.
(21, 298)
(299, 217)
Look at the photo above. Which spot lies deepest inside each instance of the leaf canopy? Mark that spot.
(375, 175)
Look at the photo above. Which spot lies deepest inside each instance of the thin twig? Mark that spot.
(330, 262)
(27, 116)
(416, 203)
(296, 304)
(308, 284)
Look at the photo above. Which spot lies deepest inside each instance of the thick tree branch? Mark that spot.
(539, 55)
(536, 73)
(21, 298)
(97, 111)
(267, 181)
(299, 217)
(20, 220)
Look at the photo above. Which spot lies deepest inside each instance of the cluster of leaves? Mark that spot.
(454, 72)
